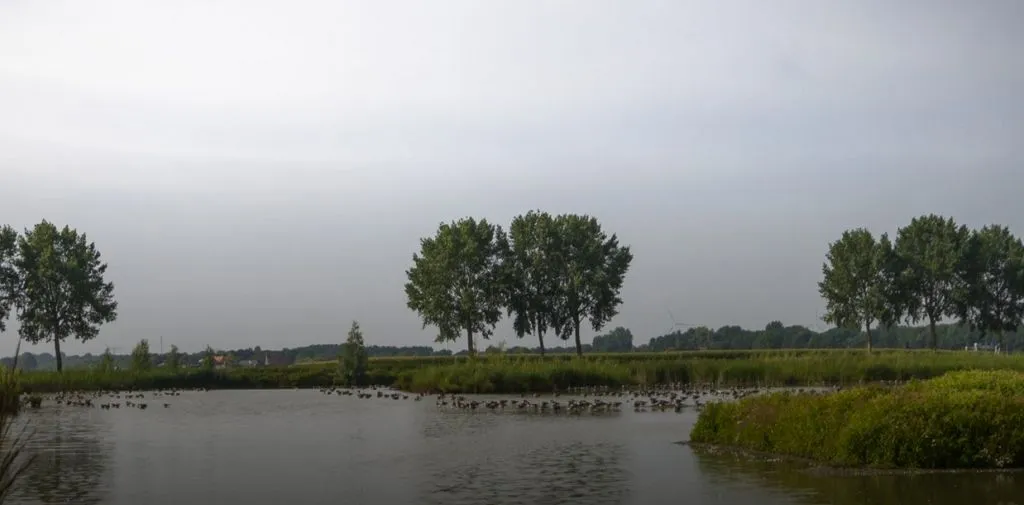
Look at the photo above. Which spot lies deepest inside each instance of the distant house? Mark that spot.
(220, 361)
(275, 358)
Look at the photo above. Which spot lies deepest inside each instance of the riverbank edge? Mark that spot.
(513, 375)
(815, 467)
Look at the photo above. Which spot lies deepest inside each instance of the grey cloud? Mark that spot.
(260, 172)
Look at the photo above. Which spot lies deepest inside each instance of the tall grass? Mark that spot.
(526, 373)
(518, 374)
(967, 419)
(13, 440)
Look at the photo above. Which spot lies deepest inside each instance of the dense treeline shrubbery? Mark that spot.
(961, 420)
(934, 270)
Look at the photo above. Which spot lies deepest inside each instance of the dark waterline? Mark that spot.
(301, 447)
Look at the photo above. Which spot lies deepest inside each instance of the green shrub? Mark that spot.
(972, 419)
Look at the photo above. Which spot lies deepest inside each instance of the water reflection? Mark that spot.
(807, 486)
(576, 472)
(273, 447)
(456, 424)
(71, 459)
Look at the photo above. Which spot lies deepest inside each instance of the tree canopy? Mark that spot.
(991, 296)
(142, 360)
(937, 270)
(173, 358)
(64, 292)
(532, 280)
(457, 280)
(619, 339)
(857, 281)
(354, 362)
(550, 273)
(10, 281)
(590, 270)
(931, 250)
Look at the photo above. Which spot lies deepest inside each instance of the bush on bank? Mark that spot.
(968, 419)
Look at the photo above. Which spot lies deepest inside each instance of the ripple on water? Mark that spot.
(559, 472)
(273, 447)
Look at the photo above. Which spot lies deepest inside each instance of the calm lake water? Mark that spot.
(302, 447)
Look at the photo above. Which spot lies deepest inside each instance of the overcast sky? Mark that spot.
(260, 172)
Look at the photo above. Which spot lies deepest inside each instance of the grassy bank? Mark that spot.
(512, 373)
(972, 419)
(517, 374)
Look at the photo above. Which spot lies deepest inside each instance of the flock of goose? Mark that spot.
(103, 399)
(592, 400)
(575, 401)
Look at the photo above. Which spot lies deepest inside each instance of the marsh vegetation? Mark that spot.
(960, 420)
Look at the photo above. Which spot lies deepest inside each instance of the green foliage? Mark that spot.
(514, 374)
(967, 419)
(590, 268)
(142, 360)
(936, 269)
(533, 373)
(498, 375)
(353, 360)
(532, 280)
(27, 361)
(13, 460)
(207, 362)
(64, 293)
(10, 392)
(857, 281)
(106, 362)
(550, 273)
(457, 280)
(619, 339)
(10, 279)
(173, 358)
(992, 295)
(932, 252)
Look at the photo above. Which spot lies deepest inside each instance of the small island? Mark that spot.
(961, 420)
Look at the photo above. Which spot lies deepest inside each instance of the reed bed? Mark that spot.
(14, 434)
(510, 373)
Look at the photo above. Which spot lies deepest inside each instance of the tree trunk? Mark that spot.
(56, 349)
(579, 346)
(469, 340)
(1002, 344)
(540, 338)
(867, 329)
(931, 331)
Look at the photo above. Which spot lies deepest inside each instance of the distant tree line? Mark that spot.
(175, 358)
(548, 273)
(775, 335)
(936, 270)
